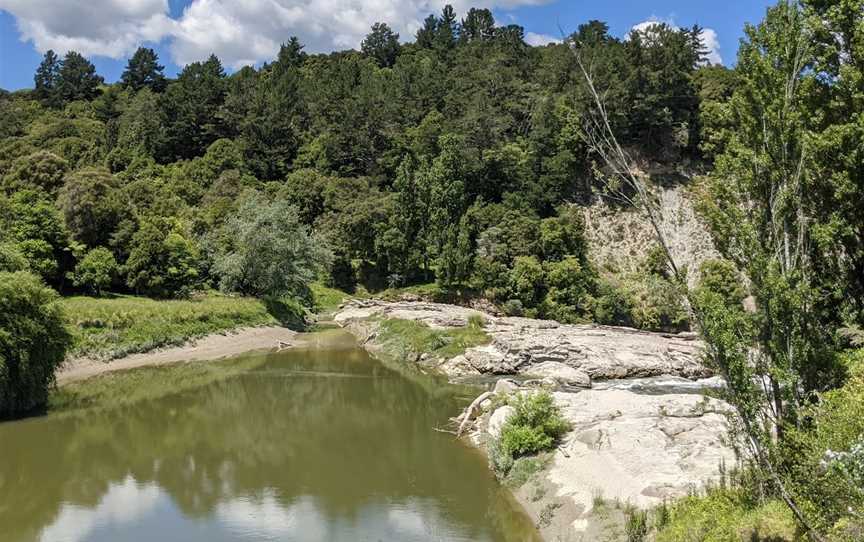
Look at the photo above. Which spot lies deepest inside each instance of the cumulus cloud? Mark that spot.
(540, 39)
(111, 28)
(709, 37)
(238, 32)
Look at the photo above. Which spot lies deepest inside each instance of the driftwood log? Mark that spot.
(470, 412)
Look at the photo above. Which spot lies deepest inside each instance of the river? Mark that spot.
(319, 443)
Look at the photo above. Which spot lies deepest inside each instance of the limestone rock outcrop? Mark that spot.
(520, 345)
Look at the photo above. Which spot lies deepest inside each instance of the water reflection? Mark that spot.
(316, 444)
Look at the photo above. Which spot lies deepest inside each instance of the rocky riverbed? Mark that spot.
(642, 430)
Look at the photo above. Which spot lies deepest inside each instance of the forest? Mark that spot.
(462, 159)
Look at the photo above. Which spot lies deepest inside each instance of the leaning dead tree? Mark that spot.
(623, 183)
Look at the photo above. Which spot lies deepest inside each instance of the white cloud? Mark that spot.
(238, 32)
(540, 39)
(712, 44)
(111, 28)
(709, 37)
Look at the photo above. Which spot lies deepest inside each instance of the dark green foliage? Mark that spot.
(33, 342)
(447, 30)
(191, 106)
(143, 70)
(138, 131)
(77, 78)
(721, 277)
(96, 271)
(42, 170)
(478, 24)
(425, 37)
(47, 80)
(382, 44)
(90, 205)
(163, 260)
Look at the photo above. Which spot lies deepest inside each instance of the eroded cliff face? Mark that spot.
(642, 430)
(619, 238)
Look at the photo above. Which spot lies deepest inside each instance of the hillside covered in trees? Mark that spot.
(465, 158)
(455, 158)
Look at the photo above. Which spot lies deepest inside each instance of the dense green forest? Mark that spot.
(453, 159)
(461, 158)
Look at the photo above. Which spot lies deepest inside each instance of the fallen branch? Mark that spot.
(468, 414)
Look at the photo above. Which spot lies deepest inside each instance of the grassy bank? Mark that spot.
(410, 339)
(110, 328)
(113, 327)
(724, 515)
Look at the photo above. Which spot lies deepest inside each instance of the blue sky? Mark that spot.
(182, 31)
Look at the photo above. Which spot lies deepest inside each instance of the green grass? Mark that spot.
(726, 515)
(110, 328)
(525, 468)
(327, 299)
(410, 338)
(126, 387)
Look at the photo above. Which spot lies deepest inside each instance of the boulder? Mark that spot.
(505, 385)
(498, 419)
(566, 376)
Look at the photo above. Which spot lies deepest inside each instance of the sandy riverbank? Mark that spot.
(210, 347)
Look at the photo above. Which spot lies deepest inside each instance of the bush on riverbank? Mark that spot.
(724, 515)
(33, 342)
(535, 426)
(111, 328)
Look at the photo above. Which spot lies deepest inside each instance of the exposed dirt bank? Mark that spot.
(210, 347)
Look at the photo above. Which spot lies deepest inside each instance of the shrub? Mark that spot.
(636, 525)
(656, 303)
(721, 277)
(726, 515)
(33, 342)
(569, 284)
(828, 456)
(535, 426)
(513, 307)
(163, 261)
(12, 259)
(526, 280)
(611, 306)
(96, 271)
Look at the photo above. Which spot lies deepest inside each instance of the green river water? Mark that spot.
(320, 443)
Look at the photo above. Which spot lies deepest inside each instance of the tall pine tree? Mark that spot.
(143, 70)
(47, 78)
(78, 79)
